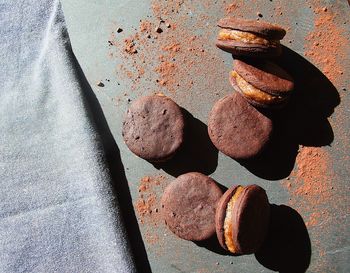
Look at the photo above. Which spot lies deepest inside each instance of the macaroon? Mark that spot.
(242, 219)
(252, 38)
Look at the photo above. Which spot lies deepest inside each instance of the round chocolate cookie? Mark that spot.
(242, 219)
(153, 128)
(238, 129)
(189, 204)
(262, 83)
(249, 37)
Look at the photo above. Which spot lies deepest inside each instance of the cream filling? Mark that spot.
(245, 37)
(254, 93)
(228, 221)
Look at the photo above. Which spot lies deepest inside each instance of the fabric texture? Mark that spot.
(57, 212)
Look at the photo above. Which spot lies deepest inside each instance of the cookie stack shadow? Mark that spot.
(287, 247)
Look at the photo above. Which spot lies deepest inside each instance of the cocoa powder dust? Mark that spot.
(147, 206)
(314, 191)
(164, 55)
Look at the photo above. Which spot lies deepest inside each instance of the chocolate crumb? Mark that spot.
(119, 30)
(100, 84)
(259, 14)
(158, 30)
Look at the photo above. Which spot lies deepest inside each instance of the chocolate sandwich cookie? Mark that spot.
(249, 37)
(238, 129)
(262, 83)
(189, 204)
(153, 128)
(242, 219)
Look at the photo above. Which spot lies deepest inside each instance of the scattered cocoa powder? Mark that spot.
(326, 44)
(230, 8)
(314, 193)
(326, 47)
(145, 26)
(317, 198)
(169, 60)
(278, 11)
(163, 9)
(312, 183)
(130, 46)
(144, 206)
(240, 8)
(166, 71)
(147, 205)
(172, 48)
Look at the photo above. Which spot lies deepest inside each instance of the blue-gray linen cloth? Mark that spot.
(57, 213)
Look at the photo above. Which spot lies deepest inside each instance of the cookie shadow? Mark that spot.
(198, 153)
(212, 244)
(314, 101)
(119, 182)
(277, 160)
(287, 247)
(304, 121)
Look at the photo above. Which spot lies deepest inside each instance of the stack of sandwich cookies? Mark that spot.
(236, 128)
(249, 37)
(261, 82)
